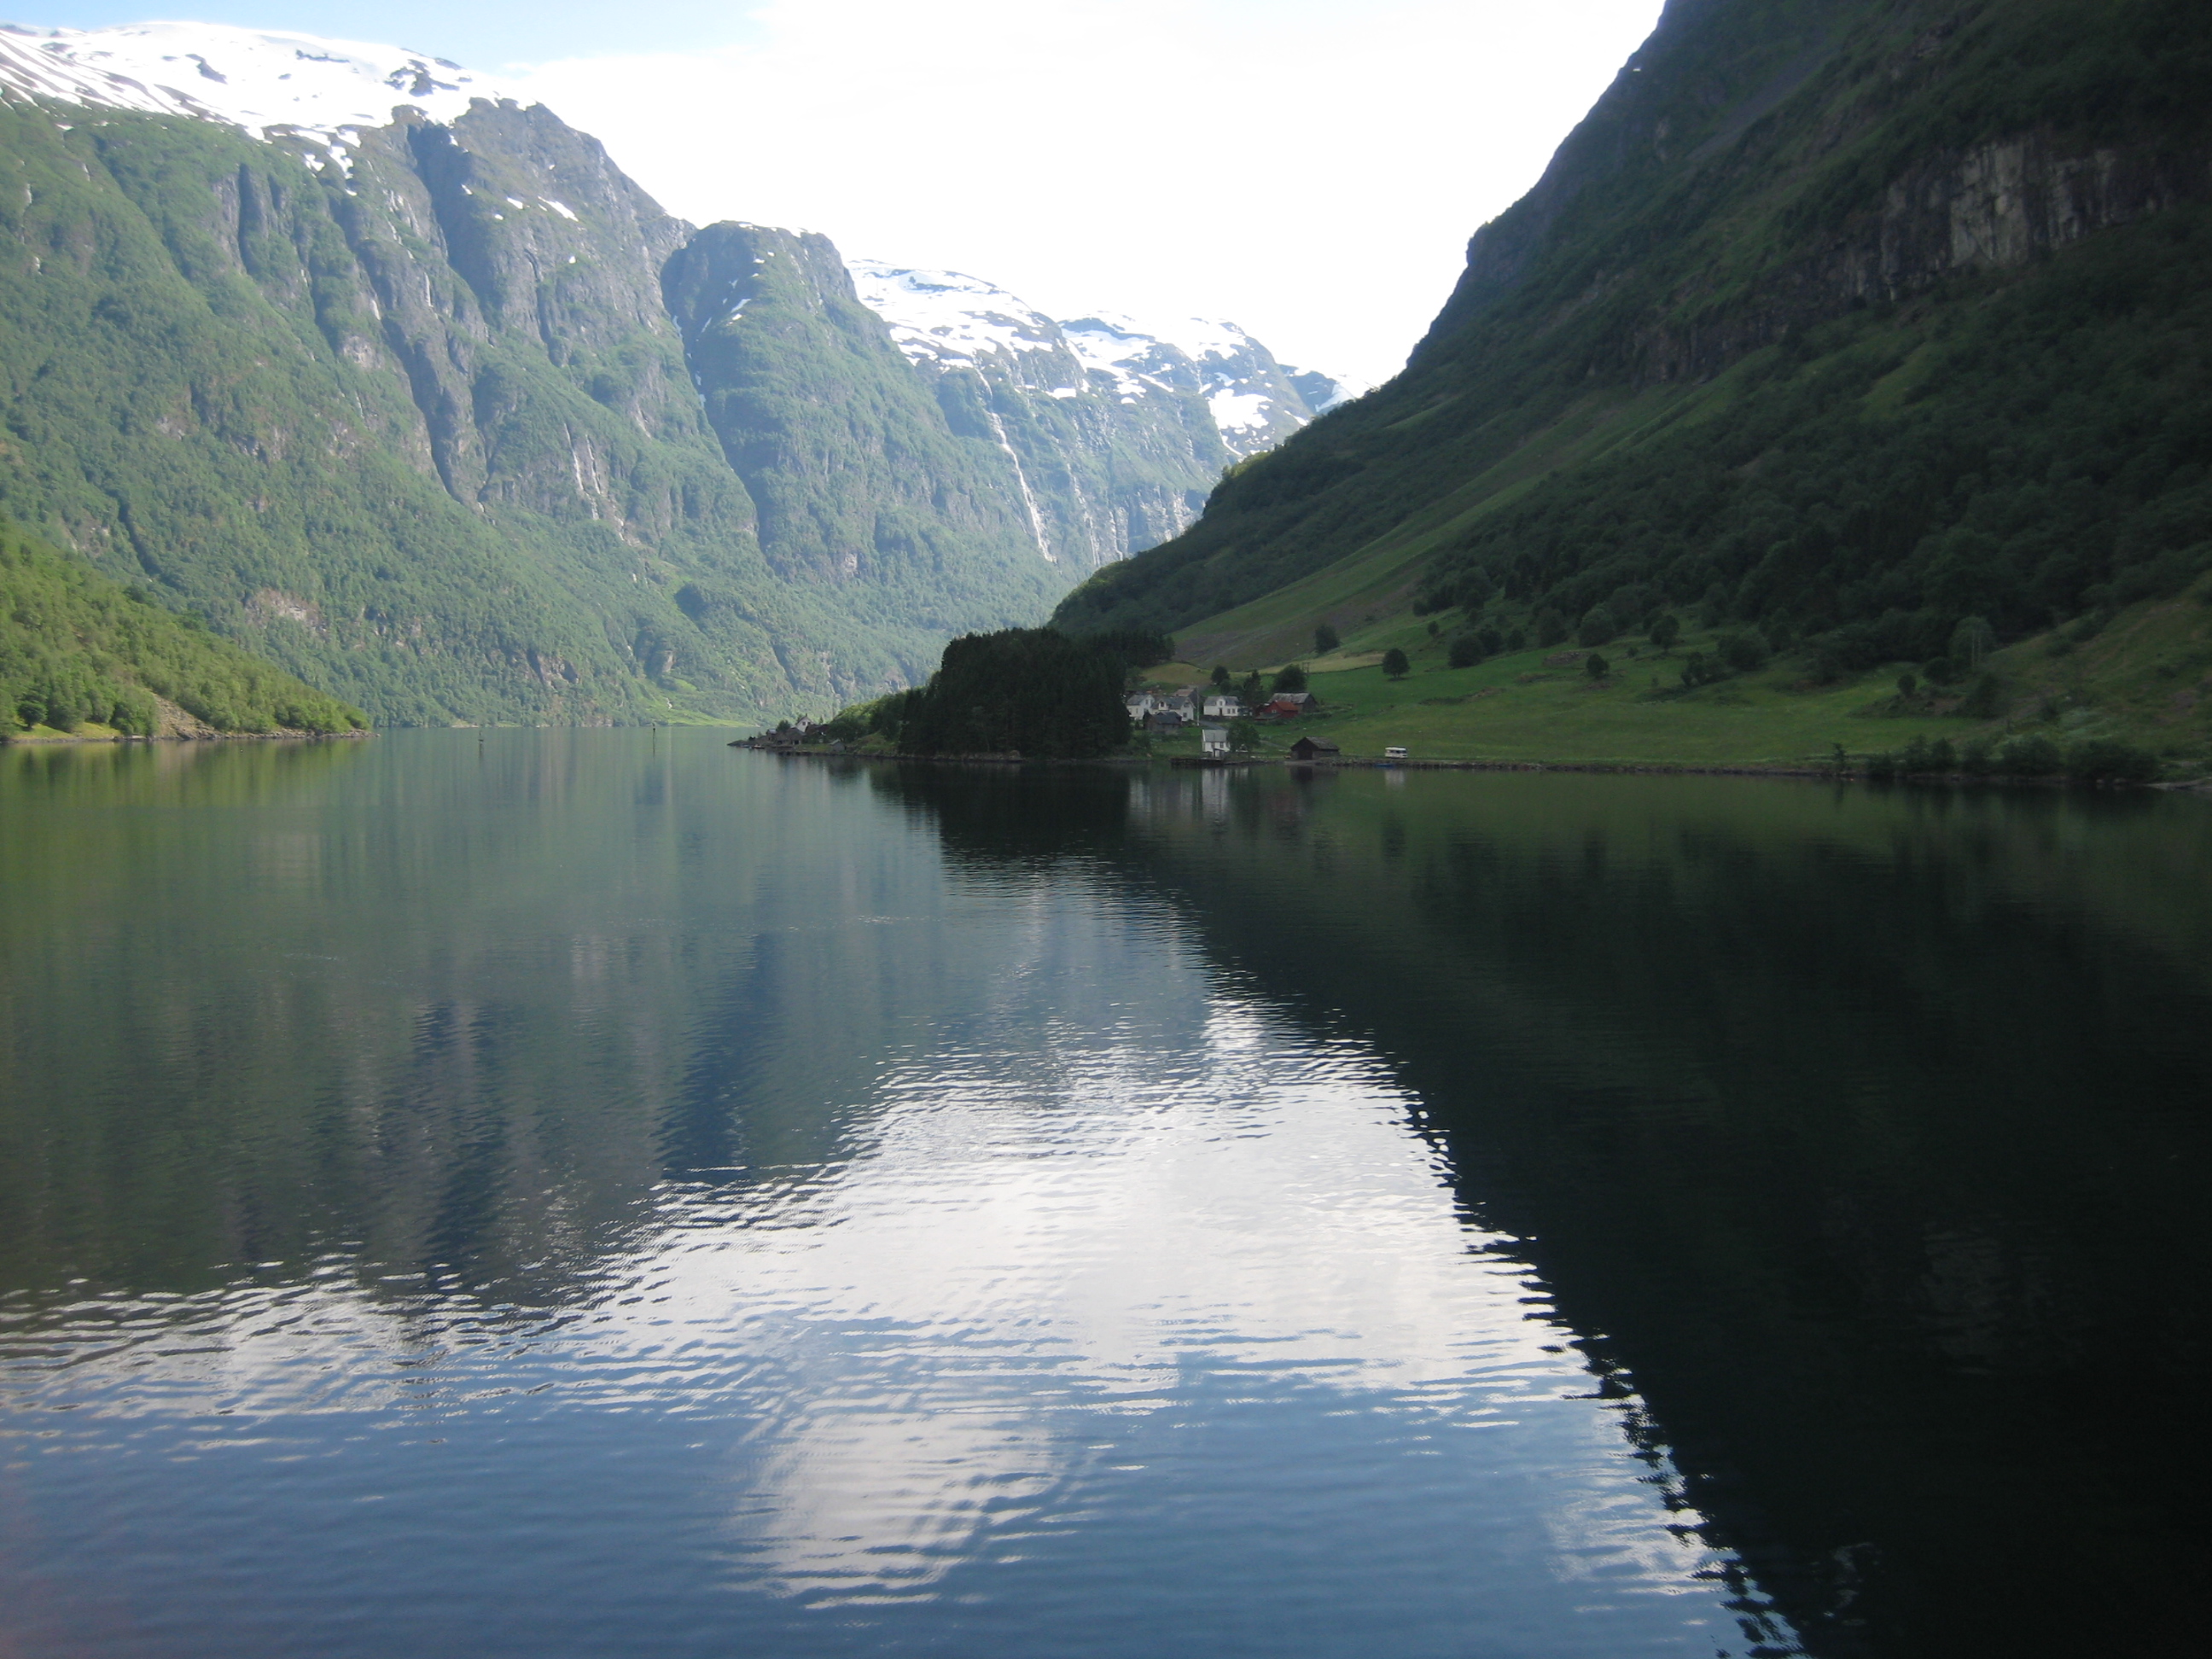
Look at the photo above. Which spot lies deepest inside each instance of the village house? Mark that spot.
(1288, 705)
(1163, 719)
(1224, 706)
(1214, 740)
(1311, 749)
(1139, 704)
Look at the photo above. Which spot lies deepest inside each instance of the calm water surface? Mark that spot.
(603, 1194)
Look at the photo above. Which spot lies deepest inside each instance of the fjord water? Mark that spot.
(598, 1193)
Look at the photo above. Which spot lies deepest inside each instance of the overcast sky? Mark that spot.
(1310, 169)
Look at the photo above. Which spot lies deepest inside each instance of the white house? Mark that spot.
(1224, 706)
(1212, 739)
(1139, 704)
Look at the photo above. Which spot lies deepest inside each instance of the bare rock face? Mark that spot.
(2000, 206)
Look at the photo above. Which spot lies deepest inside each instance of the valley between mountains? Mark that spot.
(1843, 384)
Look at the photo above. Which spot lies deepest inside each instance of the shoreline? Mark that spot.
(40, 739)
(1639, 768)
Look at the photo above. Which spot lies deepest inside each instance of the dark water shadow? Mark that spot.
(1861, 1138)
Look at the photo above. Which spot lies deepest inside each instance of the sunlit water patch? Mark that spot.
(1108, 1312)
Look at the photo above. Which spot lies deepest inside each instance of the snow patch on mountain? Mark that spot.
(1115, 350)
(260, 82)
(1239, 411)
(948, 318)
(1255, 401)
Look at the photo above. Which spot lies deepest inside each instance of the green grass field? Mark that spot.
(1518, 707)
(2145, 678)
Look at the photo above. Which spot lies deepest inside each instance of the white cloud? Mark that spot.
(1310, 171)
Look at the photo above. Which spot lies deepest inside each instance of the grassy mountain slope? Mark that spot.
(1848, 321)
(79, 651)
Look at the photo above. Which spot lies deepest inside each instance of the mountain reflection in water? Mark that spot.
(595, 1193)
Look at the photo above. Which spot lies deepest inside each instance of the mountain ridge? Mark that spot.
(1831, 320)
(378, 371)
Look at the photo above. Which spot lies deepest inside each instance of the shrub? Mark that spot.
(1746, 651)
(1699, 669)
(1290, 677)
(2031, 756)
(1666, 630)
(1394, 666)
(1596, 666)
(1922, 757)
(1325, 639)
(1465, 651)
(1906, 685)
(2107, 760)
(1598, 627)
(1982, 697)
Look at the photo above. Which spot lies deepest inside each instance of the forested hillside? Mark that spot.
(77, 649)
(409, 388)
(1853, 321)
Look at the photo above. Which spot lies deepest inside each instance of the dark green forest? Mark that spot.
(1852, 321)
(1027, 691)
(75, 648)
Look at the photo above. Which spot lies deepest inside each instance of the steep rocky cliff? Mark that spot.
(1850, 320)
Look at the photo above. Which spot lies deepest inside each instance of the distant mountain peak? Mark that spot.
(259, 82)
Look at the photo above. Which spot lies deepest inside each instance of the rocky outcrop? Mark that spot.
(1996, 207)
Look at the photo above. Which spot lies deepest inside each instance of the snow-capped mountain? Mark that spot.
(1118, 429)
(947, 320)
(258, 82)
